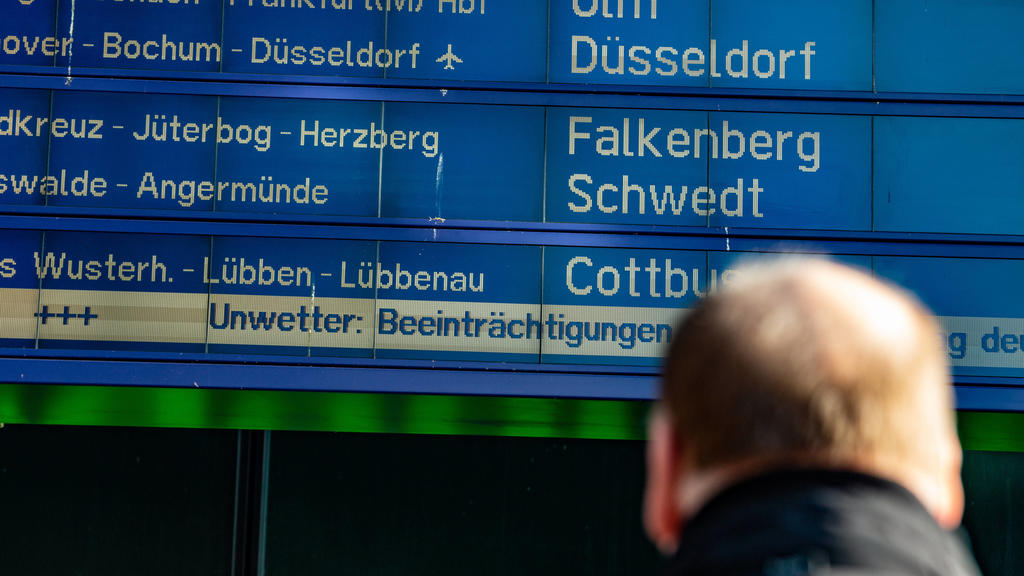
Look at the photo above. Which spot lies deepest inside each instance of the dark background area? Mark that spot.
(399, 505)
(994, 517)
(84, 501)
(89, 501)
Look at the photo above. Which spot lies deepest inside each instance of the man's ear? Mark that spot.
(662, 517)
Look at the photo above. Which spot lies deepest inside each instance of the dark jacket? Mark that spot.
(819, 522)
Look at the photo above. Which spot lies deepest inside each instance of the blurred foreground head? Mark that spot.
(809, 364)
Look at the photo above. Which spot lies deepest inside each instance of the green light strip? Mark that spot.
(382, 413)
(991, 431)
(321, 411)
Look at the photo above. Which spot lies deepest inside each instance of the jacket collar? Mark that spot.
(796, 521)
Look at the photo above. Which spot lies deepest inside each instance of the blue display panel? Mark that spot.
(949, 175)
(977, 303)
(791, 171)
(290, 296)
(627, 166)
(183, 35)
(614, 305)
(100, 150)
(299, 297)
(335, 37)
(19, 287)
(305, 156)
(132, 151)
(24, 134)
(735, 43)
(462, 161)
(855, 45)
(949, 46)
(442, 39)
(634, 42)
(444, 301)
(567, 224)
(469, 39)
(29, 34)
(653, 167)
(117, 291)
(799, 44)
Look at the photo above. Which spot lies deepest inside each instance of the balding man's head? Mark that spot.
(806, 361)
(803, 356)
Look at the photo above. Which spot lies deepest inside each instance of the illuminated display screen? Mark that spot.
(411, 300)
(799, 44)
(521, 163)
(602, 163)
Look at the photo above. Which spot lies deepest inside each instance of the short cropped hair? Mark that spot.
(803, 356)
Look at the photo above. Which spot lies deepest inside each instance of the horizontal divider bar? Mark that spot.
(972, 393)
(118, 74)
(535, 234)
(321, 361)
(720, 100)
(259, 376)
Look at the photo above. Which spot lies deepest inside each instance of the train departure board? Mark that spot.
(394, 188)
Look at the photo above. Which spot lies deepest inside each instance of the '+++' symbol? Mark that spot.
(66, 315)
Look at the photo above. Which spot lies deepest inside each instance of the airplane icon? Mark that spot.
(448, 58)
